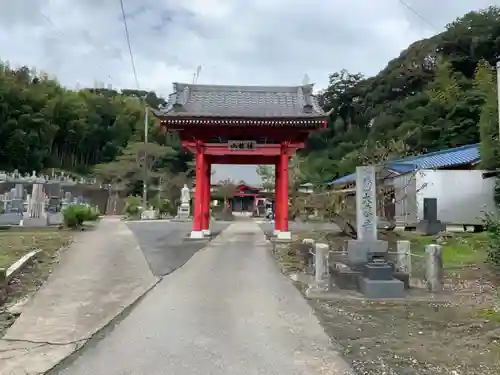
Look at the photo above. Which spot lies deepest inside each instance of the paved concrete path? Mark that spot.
(228, 311)
(103, 272)
(163, 243)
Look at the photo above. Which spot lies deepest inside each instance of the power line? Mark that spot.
(146, 110)
(129, 44)
(436, 29)
(52, 23)
(415, 12)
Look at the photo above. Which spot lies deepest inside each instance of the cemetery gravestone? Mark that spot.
(13, 206)
(36, 208)
(54, 205)
(430, 225)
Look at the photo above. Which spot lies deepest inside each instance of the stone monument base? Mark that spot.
(404, 277)
(184, 211)
(430, 228)
(358, 250)
(284, 236)
(197, 235)
(381, 288)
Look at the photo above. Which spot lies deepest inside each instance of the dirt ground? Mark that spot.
(13, 245)
(457, 336)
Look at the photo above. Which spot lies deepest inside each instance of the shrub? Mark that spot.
(132, 206)
(162, 205)
(492, 228)
(76, 214)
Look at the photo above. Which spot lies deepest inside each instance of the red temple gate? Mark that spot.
(241, 125)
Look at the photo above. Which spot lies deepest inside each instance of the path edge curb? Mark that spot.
(19, 264)
(80, 345)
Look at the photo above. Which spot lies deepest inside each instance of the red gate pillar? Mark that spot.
(206, 199)
(284, 234)
(277, 195)
(197, 231)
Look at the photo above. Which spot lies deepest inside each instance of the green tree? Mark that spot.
(484, 83)
(43, 125)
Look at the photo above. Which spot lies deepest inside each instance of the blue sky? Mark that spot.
(266, 42)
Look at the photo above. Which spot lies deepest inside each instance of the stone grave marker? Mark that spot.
(430, 225)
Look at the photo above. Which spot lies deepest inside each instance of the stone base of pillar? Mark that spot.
(316, 288)
(206, 232)
(197, 235)
(284, 236)
(276, 232)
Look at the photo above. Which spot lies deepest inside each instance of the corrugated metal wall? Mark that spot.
(405, 187)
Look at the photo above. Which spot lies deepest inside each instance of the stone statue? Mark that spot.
(185, 197)
(184, 209)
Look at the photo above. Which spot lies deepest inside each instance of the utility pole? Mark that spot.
(145, 182)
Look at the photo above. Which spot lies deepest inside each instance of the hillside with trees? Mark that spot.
(439, 93)
(43, 125)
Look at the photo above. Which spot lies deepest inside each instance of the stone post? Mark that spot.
(320, 259)
(3, 277)
(306, 253)
(403, 260)
(3, 285)
(434, 268)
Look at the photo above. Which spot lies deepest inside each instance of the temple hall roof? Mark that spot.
(192, 100)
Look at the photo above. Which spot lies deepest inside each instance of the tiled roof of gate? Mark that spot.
(468, 154)
(242, 101)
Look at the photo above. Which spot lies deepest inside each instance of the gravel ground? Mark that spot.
(413, 338)
(458, 337)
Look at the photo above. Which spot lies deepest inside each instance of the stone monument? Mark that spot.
(184, 210)
(18, 199)
(366, 268)
(430, 225)
(36, 205)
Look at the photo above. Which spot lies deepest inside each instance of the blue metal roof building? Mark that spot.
(452, 157)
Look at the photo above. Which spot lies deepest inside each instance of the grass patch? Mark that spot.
(15, 244)
(489, 314)
(459, 250)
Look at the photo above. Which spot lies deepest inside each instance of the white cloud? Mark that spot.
(235, 41)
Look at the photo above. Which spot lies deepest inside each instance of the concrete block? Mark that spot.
(404, 277)
(197, 234)
(381, 288)
(430, 228)
(345, 278)
(375, 271)
(284, 236)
